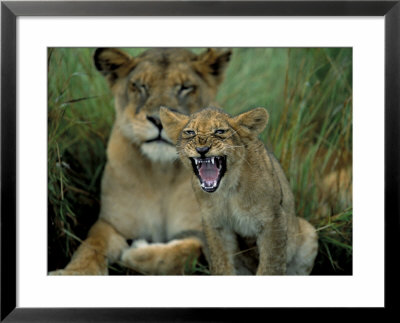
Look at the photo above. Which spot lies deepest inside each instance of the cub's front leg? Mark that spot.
(221, 245)
(272, 245)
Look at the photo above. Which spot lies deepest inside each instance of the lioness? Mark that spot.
(146, 194)
(242, 191)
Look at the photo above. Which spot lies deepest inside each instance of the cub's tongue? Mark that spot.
(208, 172)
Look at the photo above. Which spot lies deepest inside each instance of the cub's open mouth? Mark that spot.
(209, 170)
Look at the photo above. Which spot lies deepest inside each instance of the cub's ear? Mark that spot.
(173, 123)
(212, 64)
(252, 123)
(113, 63)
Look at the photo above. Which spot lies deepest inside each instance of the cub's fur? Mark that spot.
(145, 193)
(243, 193)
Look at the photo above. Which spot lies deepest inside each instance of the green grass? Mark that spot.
(308, 93)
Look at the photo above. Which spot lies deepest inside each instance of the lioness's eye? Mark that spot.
(185, 89)
(142, 88)
(189, 132)
(220, 131)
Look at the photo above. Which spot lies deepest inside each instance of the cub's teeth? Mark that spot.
(212, 160)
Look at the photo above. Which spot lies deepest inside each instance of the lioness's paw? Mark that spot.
(68, 272)
(161, 258)
(140, 251)
(144, 257)
(59, 272)
(81, 271)
(139, 243)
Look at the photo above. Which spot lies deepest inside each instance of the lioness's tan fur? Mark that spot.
(254, 200)
(146, 193)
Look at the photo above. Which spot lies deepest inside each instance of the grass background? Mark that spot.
(308, 93)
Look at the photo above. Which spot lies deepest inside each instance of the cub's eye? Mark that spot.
(220, 131)
(189, 132)
(185, 89)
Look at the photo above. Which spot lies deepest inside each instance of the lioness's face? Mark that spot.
(212, 143)
(175, 78)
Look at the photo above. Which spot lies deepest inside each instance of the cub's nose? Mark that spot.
(156, 121)
(203, 150)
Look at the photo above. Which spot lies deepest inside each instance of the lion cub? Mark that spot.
(246, 201)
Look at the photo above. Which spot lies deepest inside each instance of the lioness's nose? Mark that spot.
(203, 150)
(156, 121)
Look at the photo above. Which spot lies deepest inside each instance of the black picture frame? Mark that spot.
(390, 10)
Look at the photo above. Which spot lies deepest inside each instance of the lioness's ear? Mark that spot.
(173, 123)
(113, 63)
(212, 63)
(252, 122)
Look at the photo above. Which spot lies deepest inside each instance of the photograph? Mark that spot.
(200, 161)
